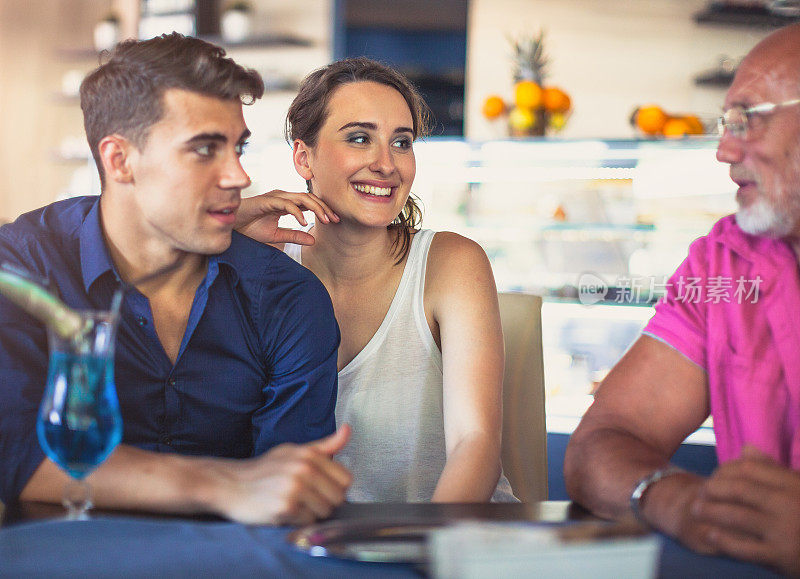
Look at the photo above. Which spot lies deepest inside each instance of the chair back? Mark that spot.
(524, 449)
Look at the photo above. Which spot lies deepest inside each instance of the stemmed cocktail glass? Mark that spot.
(79, 421)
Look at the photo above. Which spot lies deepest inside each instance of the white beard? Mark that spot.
(762, 218)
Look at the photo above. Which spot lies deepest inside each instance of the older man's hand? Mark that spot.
(749, 509)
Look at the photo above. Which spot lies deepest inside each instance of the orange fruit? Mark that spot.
(555, 100)
(493, 107)
(676, 127)
(695, 124)
(521, 119)
(527, 94)
(651, 119)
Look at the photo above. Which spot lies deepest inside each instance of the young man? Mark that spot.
(226, 352)
(735, 357)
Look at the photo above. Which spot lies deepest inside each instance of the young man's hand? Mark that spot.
(292, 484)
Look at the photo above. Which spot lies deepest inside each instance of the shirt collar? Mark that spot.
(754, 248)
(95, 259)
(229, 258)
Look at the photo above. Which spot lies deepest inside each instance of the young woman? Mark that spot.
(421, 353)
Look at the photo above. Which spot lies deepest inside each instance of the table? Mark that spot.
(127, 545)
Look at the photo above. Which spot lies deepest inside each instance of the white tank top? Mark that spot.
(391, 396)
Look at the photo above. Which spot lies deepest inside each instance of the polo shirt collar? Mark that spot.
(754, 248)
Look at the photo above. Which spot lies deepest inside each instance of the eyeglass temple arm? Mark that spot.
(769, 107)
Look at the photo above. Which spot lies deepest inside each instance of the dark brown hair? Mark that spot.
(309, 110)
(124, 95)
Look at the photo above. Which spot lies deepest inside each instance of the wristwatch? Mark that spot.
(644, 483)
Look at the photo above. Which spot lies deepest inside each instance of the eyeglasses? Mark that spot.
(737, 119)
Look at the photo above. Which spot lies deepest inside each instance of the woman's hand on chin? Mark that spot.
(258, 216)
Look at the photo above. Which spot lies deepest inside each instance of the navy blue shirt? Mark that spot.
(256, 367)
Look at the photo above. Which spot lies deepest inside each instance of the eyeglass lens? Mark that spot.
(735, 120)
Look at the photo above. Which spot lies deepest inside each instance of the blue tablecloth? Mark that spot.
(128, 547)
(123, 547)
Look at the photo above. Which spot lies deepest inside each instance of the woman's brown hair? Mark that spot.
(309, 110)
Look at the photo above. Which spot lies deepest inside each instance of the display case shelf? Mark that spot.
(547, 210)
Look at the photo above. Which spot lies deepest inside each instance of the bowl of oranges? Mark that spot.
(537, 107)
(654, 121)
(535, 111)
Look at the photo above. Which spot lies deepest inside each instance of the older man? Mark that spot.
(734, 356)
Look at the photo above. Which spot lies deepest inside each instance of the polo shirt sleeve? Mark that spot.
(301, 339)
(23, 368)
(680, 318)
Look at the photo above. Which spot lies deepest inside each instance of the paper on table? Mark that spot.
(488, 550)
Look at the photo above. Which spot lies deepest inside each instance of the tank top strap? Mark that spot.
(294, 250)
(418, 261)
(421, 248)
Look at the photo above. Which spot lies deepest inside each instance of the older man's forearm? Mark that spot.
(602, 466)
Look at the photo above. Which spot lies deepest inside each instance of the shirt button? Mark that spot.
(141, 320)
(172, 381)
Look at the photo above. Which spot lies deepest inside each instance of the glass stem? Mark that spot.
(77, 499)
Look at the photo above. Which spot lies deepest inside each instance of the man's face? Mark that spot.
(187, 176)
(766, 162)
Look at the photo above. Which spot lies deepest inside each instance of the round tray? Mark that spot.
(377, 541)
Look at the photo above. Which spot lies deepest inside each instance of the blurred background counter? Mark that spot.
(594, 220)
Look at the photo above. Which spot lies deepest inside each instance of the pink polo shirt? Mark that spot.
(733, 308)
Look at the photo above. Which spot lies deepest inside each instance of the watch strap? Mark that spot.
(645, 483)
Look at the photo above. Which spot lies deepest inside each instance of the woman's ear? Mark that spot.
(116, 154)
(301, 154)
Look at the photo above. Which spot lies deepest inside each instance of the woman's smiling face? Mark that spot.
(363, 162)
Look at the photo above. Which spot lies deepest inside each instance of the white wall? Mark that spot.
(35, 122)
(609, 55)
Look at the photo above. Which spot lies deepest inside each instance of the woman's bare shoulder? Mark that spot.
(455, 259)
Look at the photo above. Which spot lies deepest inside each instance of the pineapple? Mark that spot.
(530, 64)
(530, 61)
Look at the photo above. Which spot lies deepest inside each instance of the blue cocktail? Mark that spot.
(79, 421)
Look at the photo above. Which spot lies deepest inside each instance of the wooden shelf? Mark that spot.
(65, 98)
(61, 158)
(77, 53)
(750, 16)
(265, 41)
(714, 78)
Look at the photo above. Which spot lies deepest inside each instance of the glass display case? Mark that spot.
(547, 211)
(594, 226)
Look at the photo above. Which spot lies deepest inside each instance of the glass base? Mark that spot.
(77, 500)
